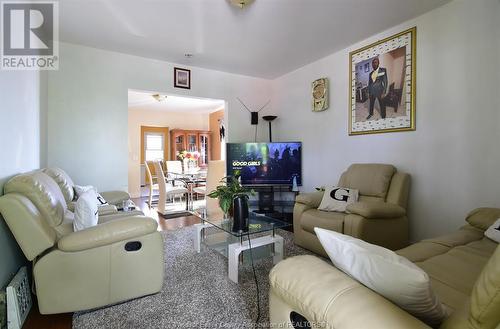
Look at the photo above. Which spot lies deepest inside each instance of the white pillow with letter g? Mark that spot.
(338, 198)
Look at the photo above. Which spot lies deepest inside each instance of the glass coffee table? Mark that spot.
(261, 234)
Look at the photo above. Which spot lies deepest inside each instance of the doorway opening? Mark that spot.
(171, 141)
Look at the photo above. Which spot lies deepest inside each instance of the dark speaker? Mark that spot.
(255, 117)
(240, 214)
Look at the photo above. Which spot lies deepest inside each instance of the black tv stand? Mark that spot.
(275, 201)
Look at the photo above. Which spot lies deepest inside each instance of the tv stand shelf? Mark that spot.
(274, 201)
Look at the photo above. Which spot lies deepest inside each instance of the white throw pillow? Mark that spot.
(338, 198)
(385, 272)
(86, 213)
(79, 190)
(493, 232)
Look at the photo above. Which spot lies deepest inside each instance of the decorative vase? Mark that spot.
(240, 214)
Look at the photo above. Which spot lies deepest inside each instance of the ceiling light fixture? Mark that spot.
(159, 97)
(241, 3)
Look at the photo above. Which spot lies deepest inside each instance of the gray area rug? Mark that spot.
(196, 292)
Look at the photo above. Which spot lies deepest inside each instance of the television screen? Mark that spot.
(265, 163)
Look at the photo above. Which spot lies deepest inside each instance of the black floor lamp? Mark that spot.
(270, 118)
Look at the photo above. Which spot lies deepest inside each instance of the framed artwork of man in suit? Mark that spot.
(382, 76)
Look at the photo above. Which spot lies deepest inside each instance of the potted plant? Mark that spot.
(229, 189)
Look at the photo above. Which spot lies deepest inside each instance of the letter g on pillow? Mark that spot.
(338, 198)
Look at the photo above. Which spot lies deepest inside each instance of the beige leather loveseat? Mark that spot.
(379, 216)
(464, 268)
(119, 259)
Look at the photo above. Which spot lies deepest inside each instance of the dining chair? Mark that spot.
(153, 183)
(173, 171)
(216, 172)
(167, 189)
(174, 167)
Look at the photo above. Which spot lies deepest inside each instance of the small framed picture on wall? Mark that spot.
(182, 78)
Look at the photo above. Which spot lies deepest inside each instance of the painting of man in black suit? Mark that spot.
(377, 87)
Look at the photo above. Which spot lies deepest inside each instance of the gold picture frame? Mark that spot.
(389, 83)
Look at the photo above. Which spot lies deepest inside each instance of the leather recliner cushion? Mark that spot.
(43, 191)
(329, 220)
(371, 179)
(454, 273)
(63, 180)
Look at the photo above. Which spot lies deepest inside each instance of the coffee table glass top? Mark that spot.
(258, 223)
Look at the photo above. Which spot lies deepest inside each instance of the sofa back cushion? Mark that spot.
(485, 298)
(482, 218)
(371, 179)
(43, 192)
(63, 180)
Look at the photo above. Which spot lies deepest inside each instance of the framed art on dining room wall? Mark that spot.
(382, 98)
(182, 78)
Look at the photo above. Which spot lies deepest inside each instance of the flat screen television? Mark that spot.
(265, 163)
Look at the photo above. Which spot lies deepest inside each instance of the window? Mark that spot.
(154, 144)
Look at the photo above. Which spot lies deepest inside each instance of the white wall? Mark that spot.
(141, 117)
(453, 156)
(20, 132)
(87, 112)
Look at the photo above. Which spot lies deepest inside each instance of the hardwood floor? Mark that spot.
(36, 320)
(56, 321)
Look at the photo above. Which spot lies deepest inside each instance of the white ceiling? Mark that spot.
(144, 101)
(266, 39)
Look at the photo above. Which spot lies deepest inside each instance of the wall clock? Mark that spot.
(320, 95)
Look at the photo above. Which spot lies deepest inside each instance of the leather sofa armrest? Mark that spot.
(311, 200)
(115, 197)
(372, 210)
(108, 233)
(482, 218)
(326, 296)
(107, 209)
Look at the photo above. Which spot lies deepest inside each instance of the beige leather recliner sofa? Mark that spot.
(379, 216)
(114, 198)
(464, 268)
(119, 259)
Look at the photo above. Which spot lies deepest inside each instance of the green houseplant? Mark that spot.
(229, 189)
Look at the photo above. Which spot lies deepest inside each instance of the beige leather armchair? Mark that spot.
(114, 261)
(378, 217)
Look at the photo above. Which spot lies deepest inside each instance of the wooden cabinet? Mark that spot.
(191, 141)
